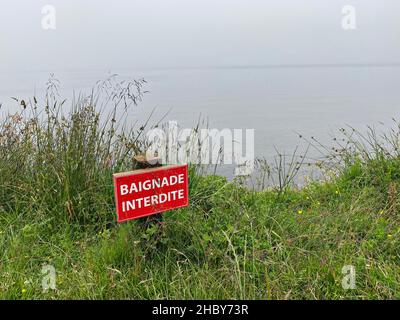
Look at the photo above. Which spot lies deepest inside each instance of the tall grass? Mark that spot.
(57, 160)
(282, 242)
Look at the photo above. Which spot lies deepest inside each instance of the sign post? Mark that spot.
(146, 192)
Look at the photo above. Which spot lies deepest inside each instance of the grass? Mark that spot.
(57, 208)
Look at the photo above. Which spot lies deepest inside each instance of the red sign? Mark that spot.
(146, 192)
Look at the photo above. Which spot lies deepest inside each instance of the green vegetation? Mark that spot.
(57, 208)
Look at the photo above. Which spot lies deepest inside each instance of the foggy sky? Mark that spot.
(108, 34)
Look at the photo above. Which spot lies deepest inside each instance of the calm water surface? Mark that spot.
(275, 101)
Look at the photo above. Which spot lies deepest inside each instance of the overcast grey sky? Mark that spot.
(194, 33)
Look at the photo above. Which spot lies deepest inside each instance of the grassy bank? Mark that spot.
(57, 208)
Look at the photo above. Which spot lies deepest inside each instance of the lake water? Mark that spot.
(277, 102)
